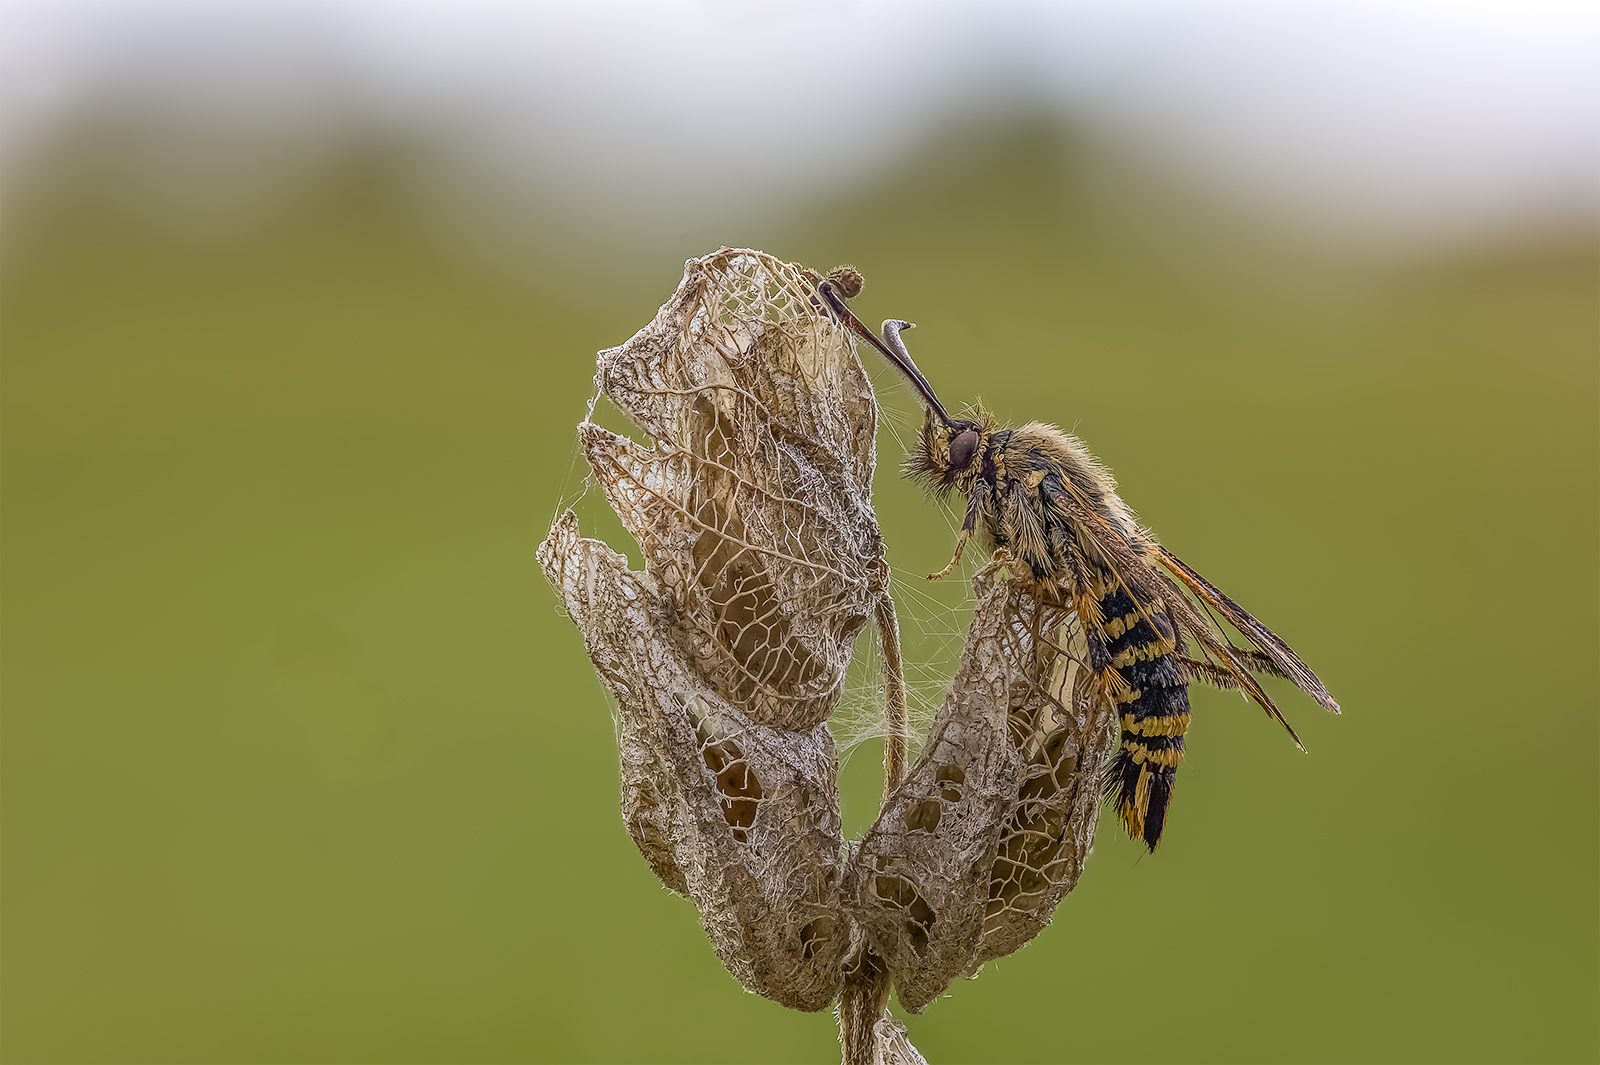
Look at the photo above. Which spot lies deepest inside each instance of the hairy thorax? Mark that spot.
(1032, 473)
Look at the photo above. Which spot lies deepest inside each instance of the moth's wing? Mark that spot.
(753, 506)
(1103, 558)
(1225, 665)
(1272, 646)
(975, 848)
(1129, 563)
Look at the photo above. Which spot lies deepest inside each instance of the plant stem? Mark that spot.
(861, 1003)
(864, 998)
(896, 743)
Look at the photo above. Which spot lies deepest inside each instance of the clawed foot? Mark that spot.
(955, 560)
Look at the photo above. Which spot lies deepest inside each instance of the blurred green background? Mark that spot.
(301, 763)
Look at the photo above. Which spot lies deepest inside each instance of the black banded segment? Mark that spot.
(1144, 652)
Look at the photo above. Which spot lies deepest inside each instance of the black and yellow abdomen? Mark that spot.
(1154, 706)
(1028, 513)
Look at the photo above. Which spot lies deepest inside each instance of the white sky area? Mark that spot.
(1399, 125)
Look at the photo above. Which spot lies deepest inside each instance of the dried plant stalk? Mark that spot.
(753, 509)
(762, 563)
(973, 851)
(742, 818)
(863, 1000)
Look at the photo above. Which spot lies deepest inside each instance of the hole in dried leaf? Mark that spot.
(741, 790)
(923, 817)
(814, 933)
(900, 893)
(1038, 788)
(917, 934)
(951, 777)
(895, 890)
(749, 620)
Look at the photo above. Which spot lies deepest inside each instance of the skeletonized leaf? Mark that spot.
(891, 1046)
(991, 827)
(753, 507)
(741, 817)
(1065, 733)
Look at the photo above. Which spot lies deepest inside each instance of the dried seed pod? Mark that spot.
(991, 827)
(753, 509)
(740, 817)
(1065, 735)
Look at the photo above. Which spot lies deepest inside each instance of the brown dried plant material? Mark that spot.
(991, 827)
(753, 508)
(891, 1045)
(762, 563)
(742, 818)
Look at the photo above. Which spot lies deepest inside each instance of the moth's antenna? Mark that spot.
(894, 350)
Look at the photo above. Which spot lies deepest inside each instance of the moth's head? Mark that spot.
(948, 454)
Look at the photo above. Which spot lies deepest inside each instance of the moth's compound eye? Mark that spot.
(962, 450)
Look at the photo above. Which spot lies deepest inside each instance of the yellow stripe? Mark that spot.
(1175, 725)
(1118, 626)
(1144, 653)
(1142, 754)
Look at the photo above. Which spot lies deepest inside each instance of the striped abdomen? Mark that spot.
(1154, 708)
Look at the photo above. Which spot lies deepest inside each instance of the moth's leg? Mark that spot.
(1028, 539)
(1088, 611)
(1023, 571)
(955, 560)
(974, 503)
